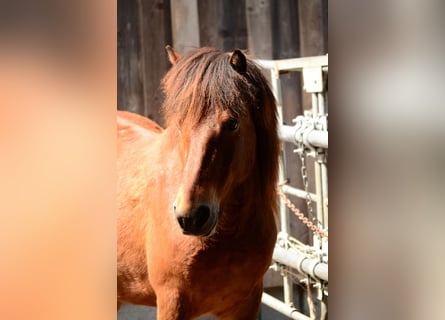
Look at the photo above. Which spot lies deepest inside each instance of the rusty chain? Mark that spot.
(300, 215)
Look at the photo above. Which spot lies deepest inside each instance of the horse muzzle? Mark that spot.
(199, 221)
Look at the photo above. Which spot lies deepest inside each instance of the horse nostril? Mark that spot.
(196, 221)
(201, 215)
(184, 223)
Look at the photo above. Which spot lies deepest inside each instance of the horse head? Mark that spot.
(210, 105)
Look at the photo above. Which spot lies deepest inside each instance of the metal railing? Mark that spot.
(310, 135)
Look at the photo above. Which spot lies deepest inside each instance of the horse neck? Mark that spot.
(251, 205)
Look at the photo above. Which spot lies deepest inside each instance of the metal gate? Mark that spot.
(310, 136)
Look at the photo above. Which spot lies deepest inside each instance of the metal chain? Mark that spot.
(300, 215)
(305, 181)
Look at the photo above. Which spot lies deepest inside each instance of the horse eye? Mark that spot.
(230, 125)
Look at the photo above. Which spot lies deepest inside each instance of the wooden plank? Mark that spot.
(222, 24)
(286, 29)
(185, 24)
(155, 34)
(313, 25)
(129, 80)
(259, 28)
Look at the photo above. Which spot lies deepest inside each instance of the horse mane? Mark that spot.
(203, 82)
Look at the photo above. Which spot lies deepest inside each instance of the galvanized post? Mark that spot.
(319, 191)
(324, 170)
(324, 199)
(284, 214)
(321, 104)
(314, 104)
(317, 171)
(321, 159)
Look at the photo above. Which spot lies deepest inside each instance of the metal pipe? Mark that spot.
(312, 267)
(281, 307)
(318, 192)
(323, 167)
(324, 184)
(288, 133)
(314, 103)
(284, 219)
(316, 138)
(285, 227)
(321, 104)
(299, 193)
(294, 64)
(284, 214)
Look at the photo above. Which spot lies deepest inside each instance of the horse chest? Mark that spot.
(228, 269)
(221, 279)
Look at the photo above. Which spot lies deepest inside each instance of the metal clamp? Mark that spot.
(311, 268)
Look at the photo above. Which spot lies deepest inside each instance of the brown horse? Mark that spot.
(197, 201)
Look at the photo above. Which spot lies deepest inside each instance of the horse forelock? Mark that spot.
(203, 83)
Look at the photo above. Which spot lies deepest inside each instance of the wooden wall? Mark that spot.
(265, 28)
(144, 28)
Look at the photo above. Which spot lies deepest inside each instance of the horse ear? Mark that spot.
(173, 56)
(238, 61)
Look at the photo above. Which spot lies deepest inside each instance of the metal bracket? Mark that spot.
(313, 79)
(305, 125)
